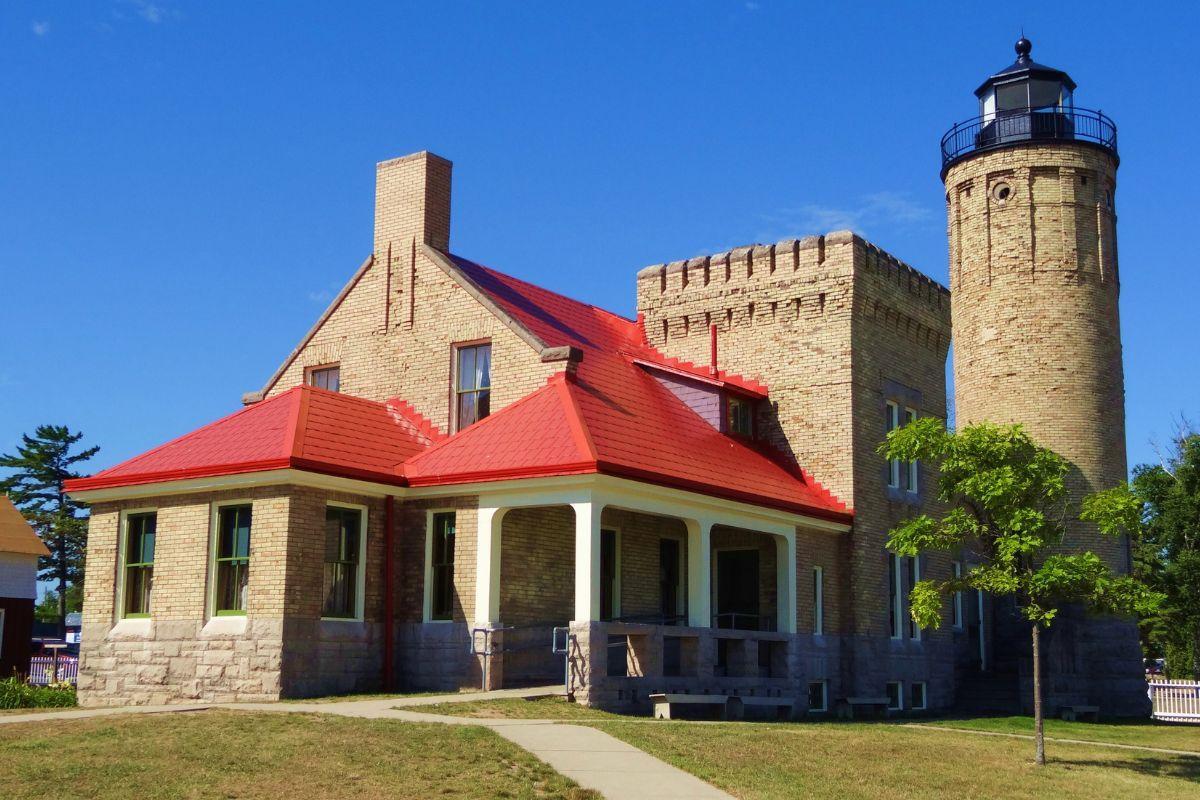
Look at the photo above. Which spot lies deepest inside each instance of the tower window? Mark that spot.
(1001, 192)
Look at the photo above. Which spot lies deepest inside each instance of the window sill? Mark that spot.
(438, 621)
(225, 625)
(132, 628)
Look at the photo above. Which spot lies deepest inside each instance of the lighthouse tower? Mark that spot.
(1031, 204)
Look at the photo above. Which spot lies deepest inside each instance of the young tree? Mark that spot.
(1168, 549)
(1006, 502)
(39, 467)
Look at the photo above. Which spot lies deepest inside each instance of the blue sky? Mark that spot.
(185, 185)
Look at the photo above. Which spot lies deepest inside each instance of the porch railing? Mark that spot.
(1175, 701)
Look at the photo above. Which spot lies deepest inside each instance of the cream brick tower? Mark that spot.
(1030, 187)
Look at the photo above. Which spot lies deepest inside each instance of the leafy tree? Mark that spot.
(1006, 501)
(39, 467)
(1168, 551)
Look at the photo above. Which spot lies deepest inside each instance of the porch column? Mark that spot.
(587, 561)
(699, 563)
(487, 566)
(785, 582)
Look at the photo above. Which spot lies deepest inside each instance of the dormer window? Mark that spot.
(472, 383)
(326, 377)
(739, 416)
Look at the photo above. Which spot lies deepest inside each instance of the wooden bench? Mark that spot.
(1080, 713)
(664, 702)
(847, 707)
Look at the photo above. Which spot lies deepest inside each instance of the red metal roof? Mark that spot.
(610, 416)
(302, 428)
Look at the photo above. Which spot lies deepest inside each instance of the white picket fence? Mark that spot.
(1175, 701)
(42, 668)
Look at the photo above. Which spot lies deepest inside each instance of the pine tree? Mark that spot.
(41, 464)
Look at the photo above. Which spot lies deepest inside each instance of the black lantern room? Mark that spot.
(1023, 103)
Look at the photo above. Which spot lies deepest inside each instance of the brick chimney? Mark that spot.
(412, 203)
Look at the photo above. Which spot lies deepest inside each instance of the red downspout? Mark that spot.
(389, 591)
(712, 358)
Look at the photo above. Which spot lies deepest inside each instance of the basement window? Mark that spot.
(327, 377)
(818, 697)
(895, 696)
(916, 696)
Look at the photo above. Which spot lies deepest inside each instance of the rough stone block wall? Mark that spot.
(173, 657)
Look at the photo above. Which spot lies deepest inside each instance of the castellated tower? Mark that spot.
(1030, 188)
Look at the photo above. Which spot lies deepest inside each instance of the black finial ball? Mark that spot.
(1023, 47)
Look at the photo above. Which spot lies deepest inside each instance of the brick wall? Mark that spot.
(1036, 325)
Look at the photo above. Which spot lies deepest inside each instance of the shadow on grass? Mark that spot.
(1183, 767)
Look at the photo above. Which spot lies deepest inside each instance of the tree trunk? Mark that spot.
(1038, 734)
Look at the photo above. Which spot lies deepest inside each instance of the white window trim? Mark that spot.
(818, 601)
(681, 581)
(122, 557)
(427, 603)
(899, 695)
(956, 571)
(910, 416)
(824, 697)
(893, 423)
(616, 566)
(924, 696)
(214, 527)
(895, 565)
(360, 581)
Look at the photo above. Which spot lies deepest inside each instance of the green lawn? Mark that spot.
(892, 760)
(1145, 734)
(225, 754)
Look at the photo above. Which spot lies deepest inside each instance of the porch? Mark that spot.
(625, 593)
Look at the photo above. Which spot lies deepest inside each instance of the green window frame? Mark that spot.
(140, 534)
(472, 383)
(441, 567)
(232, 560)
(343, 553)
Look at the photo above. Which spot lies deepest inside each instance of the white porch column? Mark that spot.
(785, 582)
(487, 565)
(699, 563)
(587, 560)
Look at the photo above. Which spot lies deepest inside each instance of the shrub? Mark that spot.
(15, 693)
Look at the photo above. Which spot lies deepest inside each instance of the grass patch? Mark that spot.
(890, 760)
(895, 762)
(355, 697)
(1146, 734)
(519, 708)
(224, 754)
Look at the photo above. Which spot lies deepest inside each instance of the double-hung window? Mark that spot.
(818, 601)
(895, 600)
(739, 416)
(441, 566)
(910, 416)
(140, 532)
(232, 560)
(472, 384)
(912, 576)
(344, 542)
(957, 571)
(891, 423)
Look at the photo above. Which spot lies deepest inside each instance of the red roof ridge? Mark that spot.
(541, 288)
(579, 429)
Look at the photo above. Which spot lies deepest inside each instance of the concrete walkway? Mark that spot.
(590, 757)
